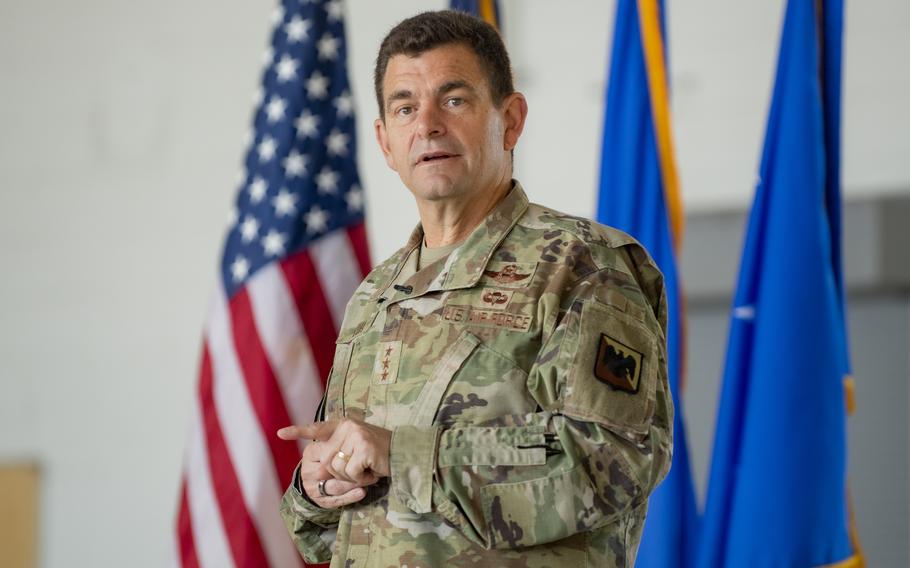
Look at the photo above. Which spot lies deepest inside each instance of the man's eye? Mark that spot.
(404, 111)
(454, 101)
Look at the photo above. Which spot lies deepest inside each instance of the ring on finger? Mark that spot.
(342, 456)
(320, 486)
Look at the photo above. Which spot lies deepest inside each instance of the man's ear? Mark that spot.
(515, 111)
(382, 138)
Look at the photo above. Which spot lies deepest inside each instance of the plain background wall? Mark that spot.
(122, 134)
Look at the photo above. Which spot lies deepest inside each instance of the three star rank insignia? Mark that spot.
(617, 364)
(385, 367)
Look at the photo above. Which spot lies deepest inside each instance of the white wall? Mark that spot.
(121, 139)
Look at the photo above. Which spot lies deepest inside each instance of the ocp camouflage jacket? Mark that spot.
(524, 378)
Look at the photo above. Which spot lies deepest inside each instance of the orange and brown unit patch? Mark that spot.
(617, 364)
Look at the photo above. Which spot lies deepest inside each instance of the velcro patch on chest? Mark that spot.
(617, 364)
(494, 299)
(509, 274)
(385, 367)
(486, 318)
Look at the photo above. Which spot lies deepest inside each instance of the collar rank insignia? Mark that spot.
(618, 365)
(507, 275)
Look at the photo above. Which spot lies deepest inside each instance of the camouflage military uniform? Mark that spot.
(524, 380)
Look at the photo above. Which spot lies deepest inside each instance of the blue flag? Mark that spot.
(487, 10)
(639, 194)
(778, 487)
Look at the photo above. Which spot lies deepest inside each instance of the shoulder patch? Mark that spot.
(617, 364)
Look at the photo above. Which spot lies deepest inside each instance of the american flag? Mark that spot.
(295, 251)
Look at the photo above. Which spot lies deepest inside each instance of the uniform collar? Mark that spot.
(465, 265)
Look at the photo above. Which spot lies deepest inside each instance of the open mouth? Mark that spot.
(434, 157)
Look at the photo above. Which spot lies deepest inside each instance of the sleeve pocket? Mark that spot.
(501, 446)
(537, 511)
(614, 371)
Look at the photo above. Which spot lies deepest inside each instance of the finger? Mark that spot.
(335, 487)
(329, 451)
(313, 471)
(340, 464)
(312, 451)
(357, 471)
(315, 431)
(290, 432)
(336, 501)
(347, 493)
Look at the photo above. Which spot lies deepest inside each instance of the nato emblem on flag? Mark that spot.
(294, 253)
(788, 322)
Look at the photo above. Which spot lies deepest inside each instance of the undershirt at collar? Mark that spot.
(429, 255)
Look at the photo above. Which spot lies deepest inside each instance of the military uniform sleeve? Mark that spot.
(312, 528)
(598, 445)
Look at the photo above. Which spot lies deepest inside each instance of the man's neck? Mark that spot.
(446, 222)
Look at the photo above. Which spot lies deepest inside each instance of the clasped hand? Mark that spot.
(348, 455)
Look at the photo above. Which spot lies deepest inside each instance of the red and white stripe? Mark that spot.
(266, 354)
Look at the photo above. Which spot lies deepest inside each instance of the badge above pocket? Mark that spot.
(615, 370)
(508, 274)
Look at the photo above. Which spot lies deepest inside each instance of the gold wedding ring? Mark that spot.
(342, 456)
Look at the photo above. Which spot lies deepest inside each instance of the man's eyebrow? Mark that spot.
(397, 96)
(449, 86)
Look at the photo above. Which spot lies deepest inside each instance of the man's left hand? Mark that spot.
(350, 450)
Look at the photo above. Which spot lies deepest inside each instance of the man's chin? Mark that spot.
(437, 189)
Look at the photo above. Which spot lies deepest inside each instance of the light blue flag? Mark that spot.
(777, 493)
(639, 194)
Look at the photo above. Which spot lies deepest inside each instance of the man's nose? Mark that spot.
(430, 121)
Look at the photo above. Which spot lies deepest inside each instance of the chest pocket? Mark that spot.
(333, 401)
(471, 384)
(345, 346)
(431, 394)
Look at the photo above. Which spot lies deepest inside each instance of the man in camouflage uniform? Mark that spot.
(499, 391)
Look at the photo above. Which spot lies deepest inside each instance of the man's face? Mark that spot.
(441, 132)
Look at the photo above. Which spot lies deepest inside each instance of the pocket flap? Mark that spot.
(506, 445)
(615, 371)
(433, 390)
